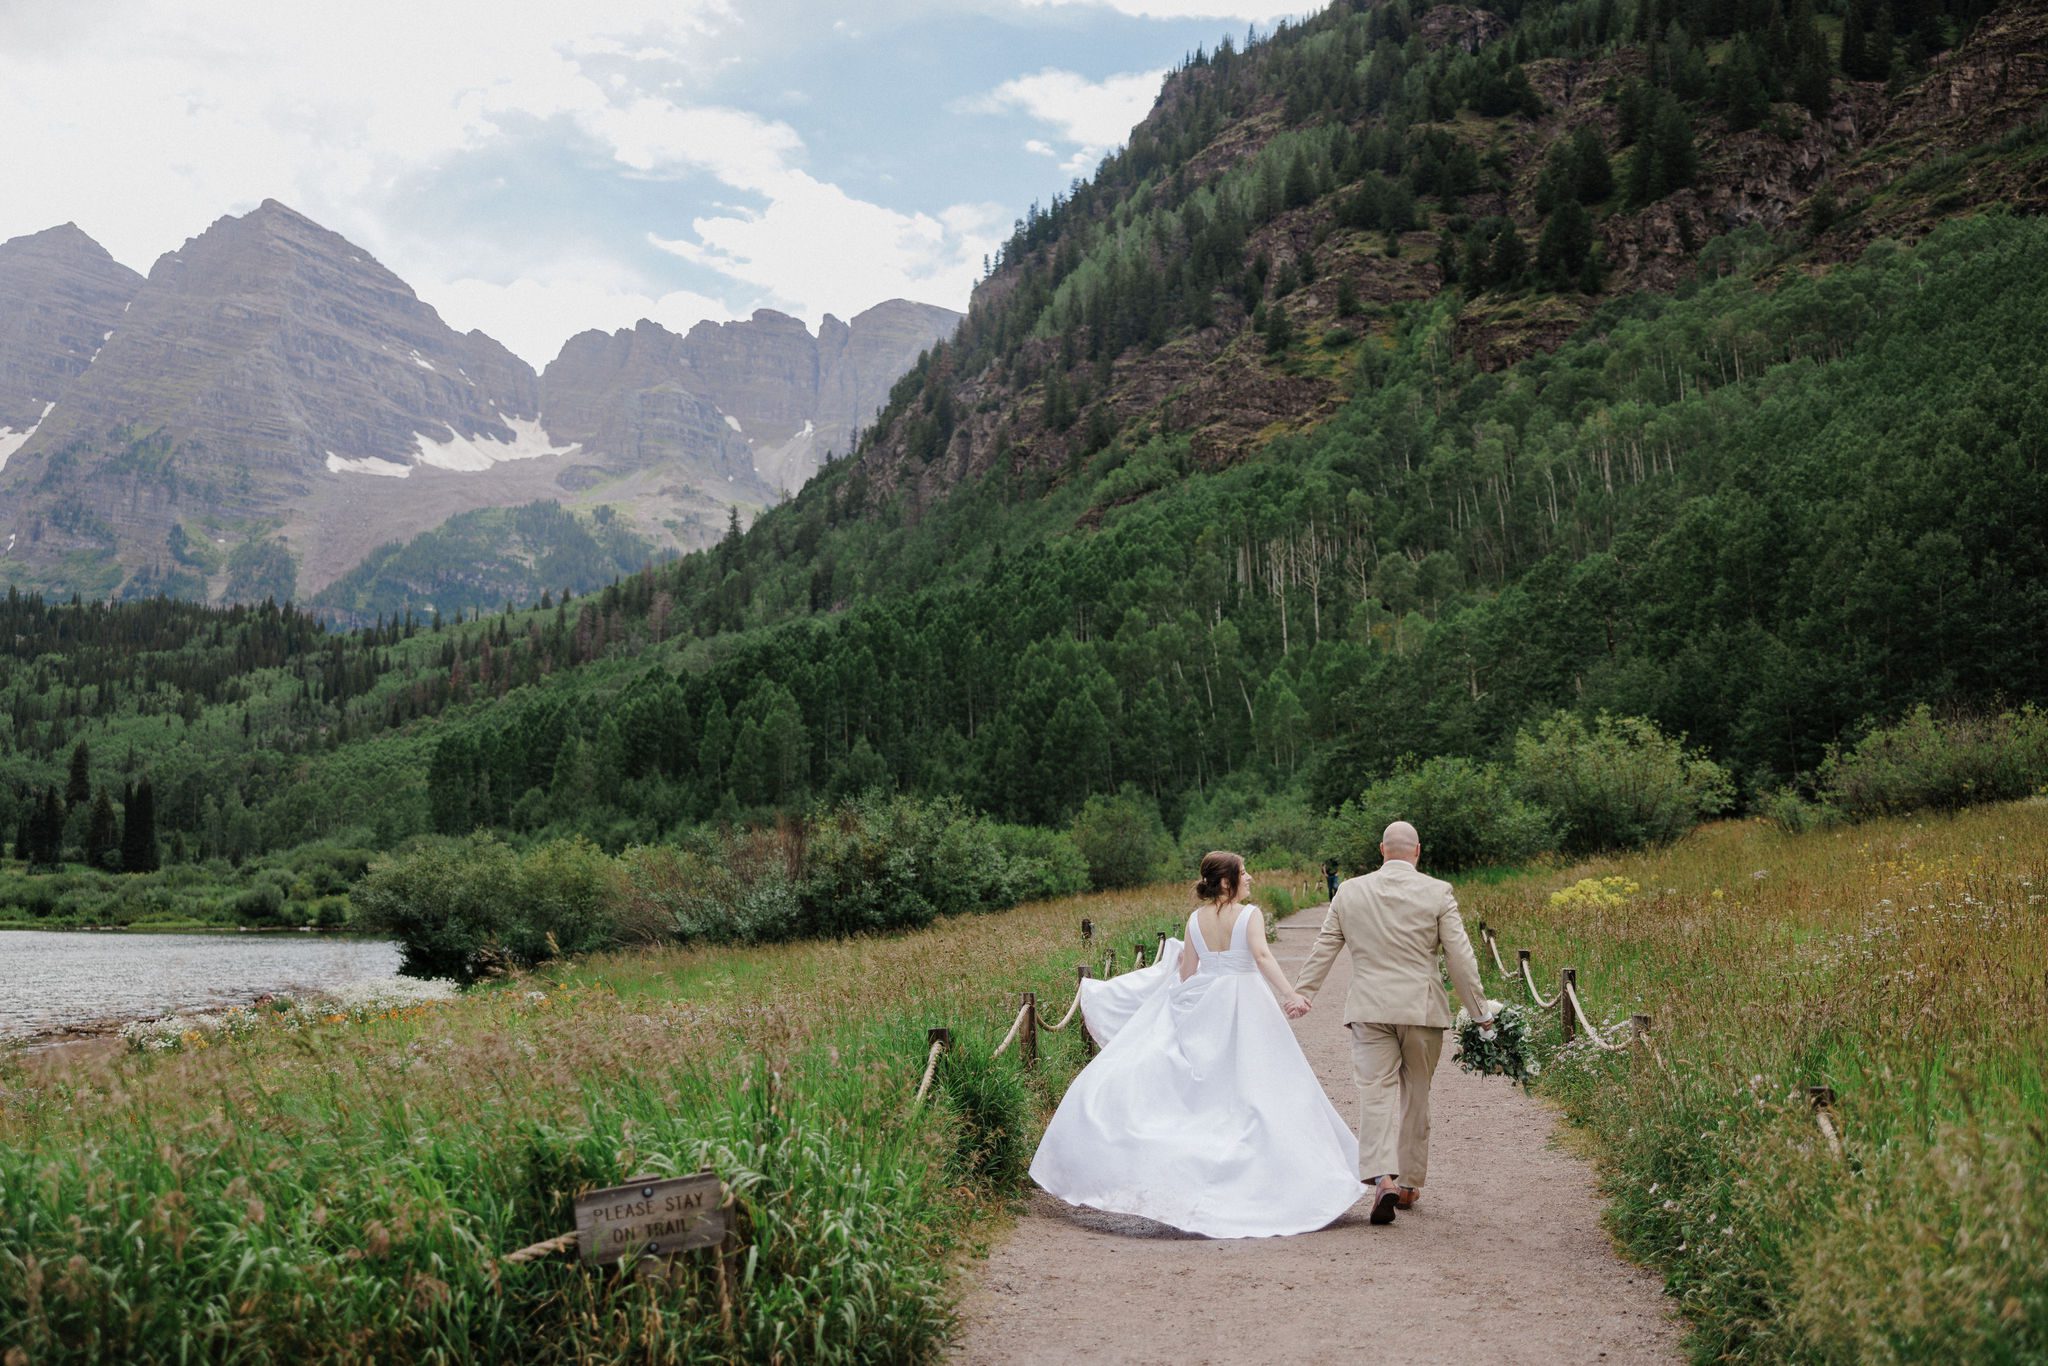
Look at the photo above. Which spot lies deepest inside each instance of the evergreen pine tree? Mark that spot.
(1510, 257)
(1567, 239)
(1592, 173)
(1880, 60)
(49, 834)
(138, 831)
(78, 788)
(1279, 329)
(1855, 54)
(1347, 298)
(102, 834)
(1447, 256)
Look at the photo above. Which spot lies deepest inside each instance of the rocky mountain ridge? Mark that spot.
(271, 404)
(1884, 160)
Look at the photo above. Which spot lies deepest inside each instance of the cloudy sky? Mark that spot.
(536, 167)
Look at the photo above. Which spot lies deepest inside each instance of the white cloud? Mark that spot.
(1089, 116)
(817, 249)
(1089, 113)
(352, 110)
(205, 107)
(1264, 11)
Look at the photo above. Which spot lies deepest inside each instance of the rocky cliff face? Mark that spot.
(260, 368)
(61, 296)
(272, 404)
(757, 404)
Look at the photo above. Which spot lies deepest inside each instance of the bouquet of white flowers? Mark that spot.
(1506, 1054)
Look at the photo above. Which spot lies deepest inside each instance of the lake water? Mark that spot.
(53, 981)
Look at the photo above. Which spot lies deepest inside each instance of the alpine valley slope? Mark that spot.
(271, 404)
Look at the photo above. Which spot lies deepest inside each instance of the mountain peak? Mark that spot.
(66, 239)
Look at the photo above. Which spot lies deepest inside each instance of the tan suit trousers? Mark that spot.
(1393, 1065)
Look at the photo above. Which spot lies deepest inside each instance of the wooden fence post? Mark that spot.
(1638, 1028)
(1137, 957)
(932, 1036)
(1522, 961)
(1087, 1039)
(1087, 931)
(1109, 962)
(1822, 1099)
(1567, 980)
(1029, 1042)
(1159, 949)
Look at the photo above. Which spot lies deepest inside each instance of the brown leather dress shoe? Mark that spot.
(1384, 1199)
(1407, 1198)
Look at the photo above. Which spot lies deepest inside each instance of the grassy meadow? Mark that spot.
(1903, 962)
(342, 1191)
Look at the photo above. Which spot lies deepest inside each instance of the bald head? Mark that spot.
(1400, 841)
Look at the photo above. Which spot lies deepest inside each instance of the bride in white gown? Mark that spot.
(1201, 1111)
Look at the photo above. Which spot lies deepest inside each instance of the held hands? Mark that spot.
(1296, 1006)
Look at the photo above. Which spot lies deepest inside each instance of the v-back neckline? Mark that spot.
(1228, 944)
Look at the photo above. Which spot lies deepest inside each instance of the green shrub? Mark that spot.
(261, 904)
(1271, 831)
(1943, 763)
(1621, 785)
(1038, 863)
(1792, 813)
(464, 907)
(1122, 838)
(1466, 812)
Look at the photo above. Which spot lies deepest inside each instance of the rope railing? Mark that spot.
(940, 1038)
(1028, 1022)
(1023, 1014)
(1522, 961)
(1574, 1020)
(1492, 947)
(1571, 993)
(1067, 1018)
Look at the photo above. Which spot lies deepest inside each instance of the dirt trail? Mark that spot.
(1502, 1261)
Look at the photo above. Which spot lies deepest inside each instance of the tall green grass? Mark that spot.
(1905, 964)
(345, 1192)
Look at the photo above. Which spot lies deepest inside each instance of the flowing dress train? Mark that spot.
(1202, 1113)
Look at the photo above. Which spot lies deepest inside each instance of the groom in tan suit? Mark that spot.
(1396, 920)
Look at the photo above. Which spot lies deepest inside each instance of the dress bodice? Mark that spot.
(1236, 958)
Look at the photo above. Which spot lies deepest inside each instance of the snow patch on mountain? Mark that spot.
(369, 464)
(12, 441)
(471, 454)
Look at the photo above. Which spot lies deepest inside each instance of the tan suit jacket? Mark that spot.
(1397, 920)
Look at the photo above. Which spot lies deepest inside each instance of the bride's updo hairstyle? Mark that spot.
(1222, 875)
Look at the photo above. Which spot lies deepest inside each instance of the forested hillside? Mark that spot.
(1786, 499)
(1227, 274)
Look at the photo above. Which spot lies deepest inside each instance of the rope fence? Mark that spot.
(1575, 1022)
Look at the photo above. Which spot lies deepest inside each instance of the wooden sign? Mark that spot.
(651, 1218)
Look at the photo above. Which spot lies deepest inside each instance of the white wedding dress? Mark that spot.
(1110, 1003)
(1202, 1113)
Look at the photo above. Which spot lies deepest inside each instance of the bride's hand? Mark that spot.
(1296, 1006)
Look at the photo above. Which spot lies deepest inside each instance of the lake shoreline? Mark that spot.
(66, 988)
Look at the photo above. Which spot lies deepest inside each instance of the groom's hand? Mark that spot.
(1297, 1006)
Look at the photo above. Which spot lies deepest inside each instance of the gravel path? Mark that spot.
(1503, 1259)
